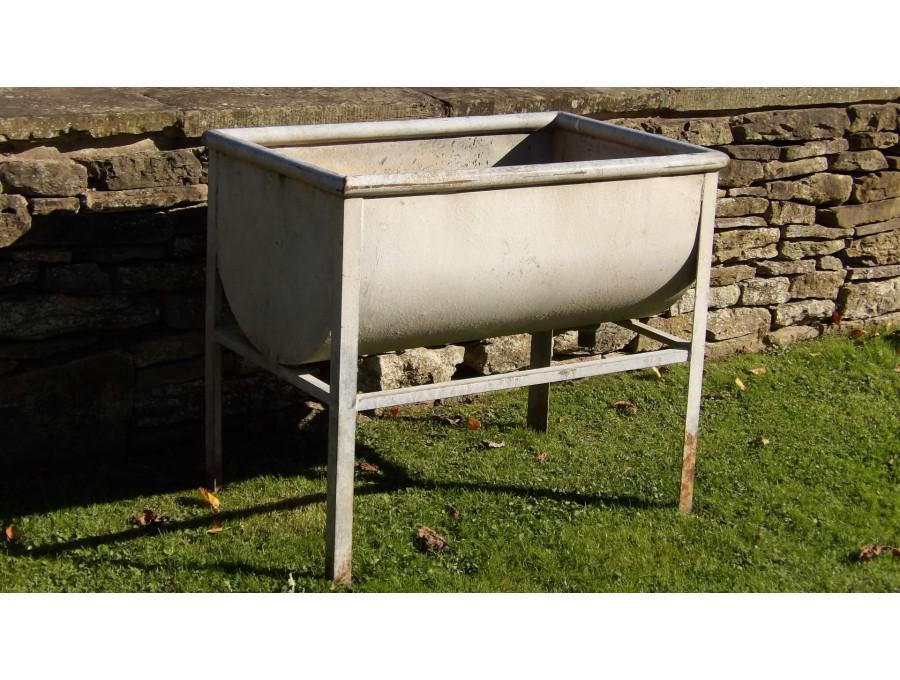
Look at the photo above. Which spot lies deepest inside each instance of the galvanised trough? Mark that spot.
(334, 241)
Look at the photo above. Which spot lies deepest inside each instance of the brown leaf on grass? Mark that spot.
(208, 496)
(148, 518)
(815, 354)
(12, 533)
(626, 406)
(393, 412)
(541, 457)
(856, 333)
(897, 368)
(368, 468)
(449, 420)
(473, 424)
(493, 445)
(762, 441)
(428, 540)
(454, 512)
(762, 370)
(871, 551)
(836, 318)
(656, 372)
(740, 383)
(218, 526)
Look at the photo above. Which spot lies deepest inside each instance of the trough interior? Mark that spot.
(466, 152)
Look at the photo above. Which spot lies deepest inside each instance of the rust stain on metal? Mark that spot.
(686, 499)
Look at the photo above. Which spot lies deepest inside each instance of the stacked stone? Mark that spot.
(101, 294)
(102, 248)
(807, 232)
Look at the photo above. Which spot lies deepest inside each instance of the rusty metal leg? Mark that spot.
(539, 395)
(342, 406)
(213, 357)
(698, 341)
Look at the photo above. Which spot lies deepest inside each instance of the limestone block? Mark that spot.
(860, 161)
(873, 117)
(752, 152)
(44, 316)
(791, 124)
(821, 147)
(499, 355)
(51, 206)
(679, 326)
(802, 311)
(785, 212)
(166, 348)
(772, 291)
(864, 300)
(791, 334)
(742, 222)
(873, 140)
(15, 219)
(868, 273)
(741, 345)
(877, 227)
(143, 199)
(747, 191)
(736, 207)
(823, 285)
(420, 366)
(740, 173)
(806, 166)
(606, 338)
(831, 264)
(876, 187)
(43, 177)
(820, 189)
(144, 170)
(865, 213)
(877, 249)
(816, 231)
(702, 131)
(746, 244)
(796, 250)
(782, 267)
(723, 324)
(724, 276)
(719, 296)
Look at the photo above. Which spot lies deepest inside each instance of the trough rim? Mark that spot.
(257, 145)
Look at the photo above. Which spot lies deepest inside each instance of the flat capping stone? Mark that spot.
(45, 113)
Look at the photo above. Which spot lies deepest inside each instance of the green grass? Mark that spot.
(598, 514)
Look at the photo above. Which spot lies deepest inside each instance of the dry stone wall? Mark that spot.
(102, 260)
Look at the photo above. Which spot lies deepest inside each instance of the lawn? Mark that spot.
(795, 474)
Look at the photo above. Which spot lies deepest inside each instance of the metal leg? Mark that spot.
(539, 395)
(342, 407)
(213, 363)
(698, 341)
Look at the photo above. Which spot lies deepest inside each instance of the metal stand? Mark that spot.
(344, 402)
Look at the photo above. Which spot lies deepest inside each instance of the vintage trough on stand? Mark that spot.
(335, 241)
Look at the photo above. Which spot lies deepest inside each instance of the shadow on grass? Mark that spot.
(394, 478)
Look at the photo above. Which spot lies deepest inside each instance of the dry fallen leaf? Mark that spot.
(541, 457)
(450, 420)
(473, 424)
(218, 526)
(148, 518)
(367, 467)
(12, 533)
(836, 318)
(656, 372)
(857, 332)
(762, 441)
(428, 540)
(493, 445)
(868, 552)
(762, 370)
(209, 498)
(740, 383)
(815, 354)
(626, 406)
(897, 369)
(454, 512)
(393, 412)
